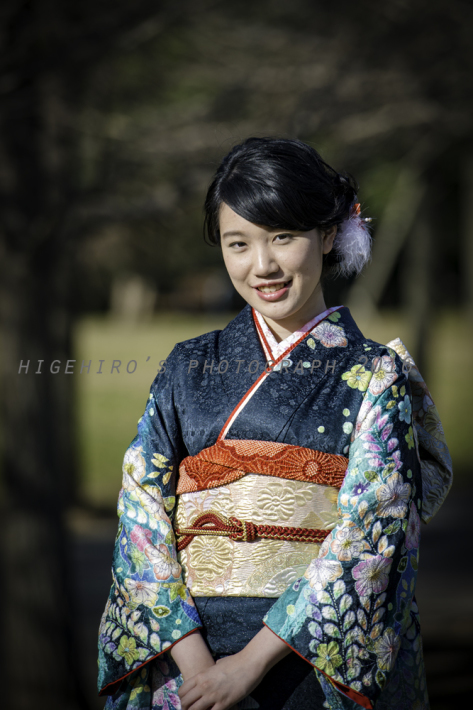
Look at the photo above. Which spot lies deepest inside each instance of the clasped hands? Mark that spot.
(221, 685)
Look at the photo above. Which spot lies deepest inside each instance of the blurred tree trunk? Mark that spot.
(39, 457)
(397, 222)
(418, 267)
(50, 51)
(398, 218)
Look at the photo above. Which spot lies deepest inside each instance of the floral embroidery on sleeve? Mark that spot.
(149, 608)
(354, 615)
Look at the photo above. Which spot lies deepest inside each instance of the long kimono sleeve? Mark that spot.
(354, 608)
(149, 608)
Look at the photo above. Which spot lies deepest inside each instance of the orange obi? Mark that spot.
(252, 515)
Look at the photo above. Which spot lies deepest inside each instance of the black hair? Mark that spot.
(280, 183)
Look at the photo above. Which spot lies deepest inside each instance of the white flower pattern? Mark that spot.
(322, 571)
(164, 565)
(142, 592)
(393, 497)
(384, 374)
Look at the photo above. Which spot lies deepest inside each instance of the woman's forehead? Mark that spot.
(233, 225)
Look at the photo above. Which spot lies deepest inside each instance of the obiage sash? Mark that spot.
(230, 459)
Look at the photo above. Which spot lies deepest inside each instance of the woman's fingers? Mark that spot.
(194, 701)
(197, 693)
(200, 704)
(189, 693)
(209, 690)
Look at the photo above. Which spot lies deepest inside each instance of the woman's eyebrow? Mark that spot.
(233, 234)
(237, 233)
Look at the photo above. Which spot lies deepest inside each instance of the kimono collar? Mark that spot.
(270, 345)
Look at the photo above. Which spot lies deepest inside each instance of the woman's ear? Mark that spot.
(328, 237)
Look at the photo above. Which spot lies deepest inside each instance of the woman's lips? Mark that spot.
(273, 295)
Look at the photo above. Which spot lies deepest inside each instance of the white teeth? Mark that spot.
(271, 289)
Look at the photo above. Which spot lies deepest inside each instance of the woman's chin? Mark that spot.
(275, 310)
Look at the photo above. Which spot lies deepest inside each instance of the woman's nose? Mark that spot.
(265, 263)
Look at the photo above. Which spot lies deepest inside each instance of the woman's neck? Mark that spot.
(282, 329)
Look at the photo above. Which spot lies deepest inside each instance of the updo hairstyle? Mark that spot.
(285, 184)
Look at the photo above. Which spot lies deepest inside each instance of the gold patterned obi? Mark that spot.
(267, 483)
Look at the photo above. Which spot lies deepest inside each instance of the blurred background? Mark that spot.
(113, 118)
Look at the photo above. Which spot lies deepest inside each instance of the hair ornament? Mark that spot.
(353, 242)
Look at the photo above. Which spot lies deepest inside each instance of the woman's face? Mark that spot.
(276, 271)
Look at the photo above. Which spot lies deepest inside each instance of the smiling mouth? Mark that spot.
(273, 288)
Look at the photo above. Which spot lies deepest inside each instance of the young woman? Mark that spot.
(271, 502)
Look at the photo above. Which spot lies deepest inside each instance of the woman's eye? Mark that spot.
(283, 237)
(237, 245)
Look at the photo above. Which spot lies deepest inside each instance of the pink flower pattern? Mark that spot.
(141, 537)
(330, 335)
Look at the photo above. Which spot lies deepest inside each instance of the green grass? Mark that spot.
(111, 404)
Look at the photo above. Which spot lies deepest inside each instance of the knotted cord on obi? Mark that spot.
(244, 531)
(231, 459)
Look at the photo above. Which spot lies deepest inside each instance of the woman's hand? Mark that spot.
(234, 677)
(192, 655)
(222, 686)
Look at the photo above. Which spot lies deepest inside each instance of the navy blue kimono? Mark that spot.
(352, 615)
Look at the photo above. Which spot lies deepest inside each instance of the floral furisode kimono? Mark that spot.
(302, 482)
